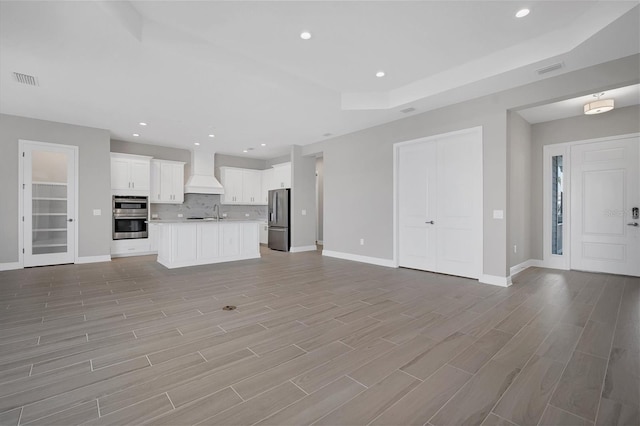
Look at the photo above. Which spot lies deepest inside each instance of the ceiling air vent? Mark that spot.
(407, 110)
(25, 79)
(549, 68)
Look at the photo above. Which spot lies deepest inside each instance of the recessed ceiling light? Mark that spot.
(212, 136)
(142, 123)
(380, 74)
(244, 150)
(263, 144)
(522, 13)
(136, 135)
(196, 143)
(305, 35)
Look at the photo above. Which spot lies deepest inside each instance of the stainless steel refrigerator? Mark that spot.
(279, 219)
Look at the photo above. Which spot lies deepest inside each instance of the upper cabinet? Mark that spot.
(267, 184)
(281, 176)
(167, 182)
(241, 186)
(130, 174)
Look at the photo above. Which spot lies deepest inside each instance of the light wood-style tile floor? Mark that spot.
(315, 341)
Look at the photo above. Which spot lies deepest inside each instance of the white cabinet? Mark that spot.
(267, 184)
(264, 233)
(167, 182)
(188, 244)
(152, 229)
(230, 239)
(130, 174)
(281, 176)
(241, 186)
(130, 247)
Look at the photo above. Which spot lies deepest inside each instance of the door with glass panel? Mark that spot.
(48, 203)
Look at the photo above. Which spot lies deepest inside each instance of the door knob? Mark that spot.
(633, 224)
(431, 222)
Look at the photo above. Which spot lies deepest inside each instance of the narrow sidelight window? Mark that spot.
(556, 204)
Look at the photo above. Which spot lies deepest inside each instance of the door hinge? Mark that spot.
(23, 154)
(22, 251)
(23, 187)
(23, 218)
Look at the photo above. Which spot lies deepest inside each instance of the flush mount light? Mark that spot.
(212, 136)
(305, 35)
(598, 106)
(142, 123)
(380, 74)
(522, 13)
(136, 135)
(196, 143)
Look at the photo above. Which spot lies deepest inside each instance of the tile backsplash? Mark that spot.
(201, 205)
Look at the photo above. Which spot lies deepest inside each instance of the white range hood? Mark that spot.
(202, 180)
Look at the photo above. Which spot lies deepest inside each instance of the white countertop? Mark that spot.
(183, 220)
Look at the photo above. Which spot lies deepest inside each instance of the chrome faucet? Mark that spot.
(216, 212)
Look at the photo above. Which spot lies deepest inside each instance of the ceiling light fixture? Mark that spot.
(305, 35)
(522, 13)
(196, 143)
(598, 106)
(380, 74)
(244, 150)
(142, 123)
(136, 135)
(263, 144)
(212, 136)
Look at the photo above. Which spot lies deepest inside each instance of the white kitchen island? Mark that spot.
(200, 242)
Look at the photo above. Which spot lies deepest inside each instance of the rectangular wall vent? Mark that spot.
(25, 79)
(549, 68)
(407, 110)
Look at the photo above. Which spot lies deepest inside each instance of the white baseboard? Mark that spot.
(524, 265)
(8, 266)
(495, 280)
(303, 248)
(93, 259)
(357, 258)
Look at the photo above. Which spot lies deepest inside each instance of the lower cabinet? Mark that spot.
(264, 233)
(130, 247)
(188, 244)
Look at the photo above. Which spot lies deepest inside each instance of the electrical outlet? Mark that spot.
(246, 215)
(97, 212)
(498, 214)
(515, 248)
(179, 214)
(224, 215)
(361, 241)
(154, 216)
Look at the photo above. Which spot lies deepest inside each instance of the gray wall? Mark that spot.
(358, 200)
(519, 211)
(94, 181)
(303, 197)
(319, 197)
(617, 122)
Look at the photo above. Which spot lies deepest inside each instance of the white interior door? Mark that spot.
(417, 206)
(440, 204)
(48, 204)
(605, 187)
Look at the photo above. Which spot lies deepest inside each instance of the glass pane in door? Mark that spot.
(557, 201)
(49, 202)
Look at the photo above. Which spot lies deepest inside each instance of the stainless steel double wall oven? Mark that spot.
(130, 215)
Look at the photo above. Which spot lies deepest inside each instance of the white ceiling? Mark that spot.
(623, 97)
(239, 70)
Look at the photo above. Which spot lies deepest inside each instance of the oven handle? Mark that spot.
(130, 217)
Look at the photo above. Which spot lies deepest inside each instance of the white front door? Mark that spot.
(48, 203)
(605, 188)
(440, 204)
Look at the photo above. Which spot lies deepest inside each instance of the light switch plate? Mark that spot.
(498, 214)
(97, 212)
(154, 216)
(246, 215)
(179, 214)
(304, 212)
